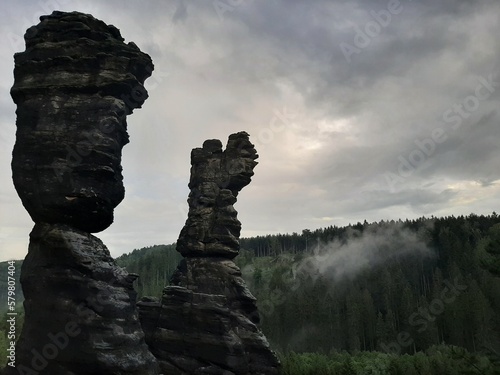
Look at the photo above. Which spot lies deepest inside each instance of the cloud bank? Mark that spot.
(363, 250)
(355, 142)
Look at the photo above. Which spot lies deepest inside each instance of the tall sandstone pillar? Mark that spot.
(207, 320)
(74, 86)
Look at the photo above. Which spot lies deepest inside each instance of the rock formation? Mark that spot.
(206, 322)
(74, 86)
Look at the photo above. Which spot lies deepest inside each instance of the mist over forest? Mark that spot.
(414, 296)
(416, 287)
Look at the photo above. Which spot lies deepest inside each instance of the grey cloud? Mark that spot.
(230, 74)
(181, 11)
(340, 260)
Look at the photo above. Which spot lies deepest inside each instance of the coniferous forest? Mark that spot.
(392, 297)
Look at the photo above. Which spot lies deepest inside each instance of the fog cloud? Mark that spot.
(362, 250)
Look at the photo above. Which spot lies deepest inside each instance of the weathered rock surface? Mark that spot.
(206, 321)
(217, 176)
(80, 308)
(74, 86)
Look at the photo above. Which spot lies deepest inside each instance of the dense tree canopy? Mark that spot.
(429, 288)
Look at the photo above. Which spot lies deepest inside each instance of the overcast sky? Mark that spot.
(358, 109)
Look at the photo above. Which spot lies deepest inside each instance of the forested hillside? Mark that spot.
(389, 286)
(428, 286)
(396, 287)
(154, 265)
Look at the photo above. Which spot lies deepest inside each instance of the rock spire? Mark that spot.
(74, 86)
(206, 321)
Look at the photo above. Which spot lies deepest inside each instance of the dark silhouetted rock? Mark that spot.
(80, 308)
(74, 86)
(217, 176)
(206, 322)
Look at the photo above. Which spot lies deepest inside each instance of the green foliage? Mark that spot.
(388, 318)
(3, 349)
(306, 364)
(154, 265)
(404, 305)
(492, 248)
(438, 360)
